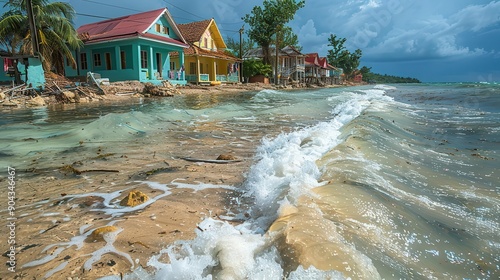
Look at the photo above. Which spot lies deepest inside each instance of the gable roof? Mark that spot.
(312, 59)
(193, 32)
(130, 26)
(292, 51)
(323, 62)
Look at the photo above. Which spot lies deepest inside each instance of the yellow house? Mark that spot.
(206, 60)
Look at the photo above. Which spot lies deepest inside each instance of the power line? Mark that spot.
(109, 5)
(94, 16)
(183, 10)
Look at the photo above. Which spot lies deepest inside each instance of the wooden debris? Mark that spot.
(218, 161)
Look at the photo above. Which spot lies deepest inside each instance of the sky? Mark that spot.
(431, 40)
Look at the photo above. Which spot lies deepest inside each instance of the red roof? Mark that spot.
(312, 59)
(322, 62)
(130, 26)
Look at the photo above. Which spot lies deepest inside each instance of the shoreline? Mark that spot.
(119, 91)
(59, 208)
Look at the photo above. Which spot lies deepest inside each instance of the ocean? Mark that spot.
(368, 182)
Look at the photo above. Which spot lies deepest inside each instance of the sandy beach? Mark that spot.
(53, 208)
(60, 204)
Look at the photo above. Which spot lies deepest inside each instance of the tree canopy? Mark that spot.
(341, 57)
(56, 33)
(288, 38)
(233, 46)
(370, 77)
(266, 21)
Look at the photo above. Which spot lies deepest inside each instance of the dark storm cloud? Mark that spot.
(423, 34)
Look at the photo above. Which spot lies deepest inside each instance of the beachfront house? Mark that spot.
(312, 68)
(29, 68)
(133, 47)
(337, 74)
(206, 60)
(358, 78)
(318, 70)
(291, 64)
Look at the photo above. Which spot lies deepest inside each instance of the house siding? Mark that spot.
(123, 59)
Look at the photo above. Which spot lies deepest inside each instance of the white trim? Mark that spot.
(154, 22)
(158, 41)
(170, 21)
(174, 26)
(137, 37)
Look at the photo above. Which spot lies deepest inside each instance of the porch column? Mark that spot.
(197, 69)
(181, 61)
(118, 58)
(215, 70)
(150, 64)
(139, 63)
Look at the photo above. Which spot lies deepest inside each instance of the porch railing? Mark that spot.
(204, 78)
(221, 78)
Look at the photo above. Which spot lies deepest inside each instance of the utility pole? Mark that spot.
(33, 30)
(241, 52)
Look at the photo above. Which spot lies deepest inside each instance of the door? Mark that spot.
(108, 61)
(159, 65)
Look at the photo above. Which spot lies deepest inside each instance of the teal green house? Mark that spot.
(134, 47)
(29, 67)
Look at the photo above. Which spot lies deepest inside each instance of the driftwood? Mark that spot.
(218, 161)
(12, 89)
(71, 169)
(58, 88)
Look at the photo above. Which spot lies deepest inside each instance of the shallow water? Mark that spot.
(374, 182)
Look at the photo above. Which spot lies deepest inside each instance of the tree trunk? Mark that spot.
(266, 53)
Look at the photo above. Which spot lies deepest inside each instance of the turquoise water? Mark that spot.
(372, 182)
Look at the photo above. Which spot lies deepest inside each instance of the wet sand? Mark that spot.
(56, 207)
(57, 210)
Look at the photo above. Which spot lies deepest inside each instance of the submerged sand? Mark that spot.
(57, 210)
(61, 202)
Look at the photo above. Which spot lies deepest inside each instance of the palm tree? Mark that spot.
(54, 25)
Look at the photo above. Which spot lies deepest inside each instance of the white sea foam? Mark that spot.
(285, 170)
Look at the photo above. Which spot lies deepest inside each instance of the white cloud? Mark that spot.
(477, 17)
(311, 40)
(427, 36)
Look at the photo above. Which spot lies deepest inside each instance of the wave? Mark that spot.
(285, 172)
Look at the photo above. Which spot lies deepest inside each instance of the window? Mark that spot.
(206, 43)
(158, 28)
(167, 30)
(97, 59)
(172, 65)
(192, 68)
(123, 59)
(83, 61)
(144, 59)
(201, 68)
(212, 44)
